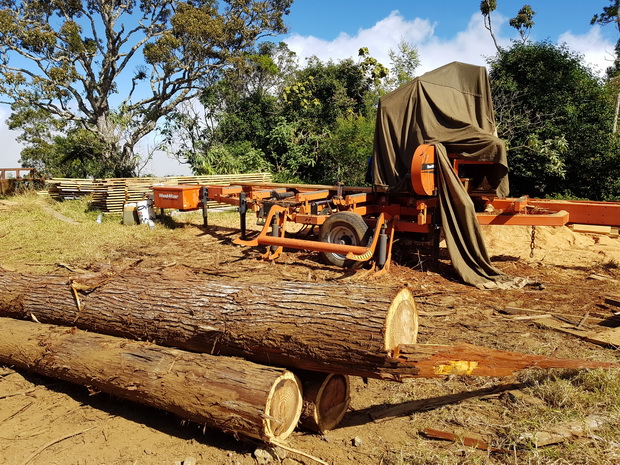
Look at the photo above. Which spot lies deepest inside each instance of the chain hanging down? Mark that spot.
(532, 241)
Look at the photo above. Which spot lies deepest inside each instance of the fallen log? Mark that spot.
(332, 328)
(234, 395)
(341, 329)
(326, 400)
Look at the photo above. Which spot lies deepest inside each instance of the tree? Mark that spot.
(486, 8)
(523, 22)
(556, 117)
(330, 102)
(405, 60)
(233, 115)
(610, 15)
(115, 68)
(310, 124)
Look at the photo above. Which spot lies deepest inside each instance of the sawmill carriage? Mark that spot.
(437, 165)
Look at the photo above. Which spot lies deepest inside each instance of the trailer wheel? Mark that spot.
(344, 228)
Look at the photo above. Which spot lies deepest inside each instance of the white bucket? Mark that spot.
(145, 210)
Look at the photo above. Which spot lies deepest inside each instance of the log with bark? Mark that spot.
(332, 328)
(228, 393)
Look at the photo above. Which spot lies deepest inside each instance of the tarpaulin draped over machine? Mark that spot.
(449, 107)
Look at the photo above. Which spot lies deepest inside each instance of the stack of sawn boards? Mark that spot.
(110, 194)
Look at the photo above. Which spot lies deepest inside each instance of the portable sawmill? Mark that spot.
(437, 166)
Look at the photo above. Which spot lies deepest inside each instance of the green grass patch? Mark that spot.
(31, 237)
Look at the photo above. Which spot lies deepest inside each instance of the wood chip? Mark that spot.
(591, 228)
(613, 301)
(565, 431)
(532, 317)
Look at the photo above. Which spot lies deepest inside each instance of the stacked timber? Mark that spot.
(110, 194)
(69, 188)
(332, 330)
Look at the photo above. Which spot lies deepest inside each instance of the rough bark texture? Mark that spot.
(234, 395)
(342, 328)
(333, 328)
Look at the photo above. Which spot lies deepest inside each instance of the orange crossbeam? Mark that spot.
(316, 246)
(584, 212)
(547, 219)
(310, 196)
(224, 190)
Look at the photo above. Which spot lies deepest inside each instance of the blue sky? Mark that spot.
(443, 31)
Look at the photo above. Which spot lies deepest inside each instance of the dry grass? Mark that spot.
(31, 237)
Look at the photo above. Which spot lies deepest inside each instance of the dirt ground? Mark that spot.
(44, 421)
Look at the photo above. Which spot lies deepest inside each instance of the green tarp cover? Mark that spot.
(451, 108)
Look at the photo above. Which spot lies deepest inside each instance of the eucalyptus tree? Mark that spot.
(115, 68)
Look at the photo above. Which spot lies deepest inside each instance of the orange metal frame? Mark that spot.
(407, 212)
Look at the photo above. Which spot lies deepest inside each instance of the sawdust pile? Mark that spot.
(559, 246)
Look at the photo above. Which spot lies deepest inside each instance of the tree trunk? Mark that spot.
(434, 360)
(341, 329)
(233, 395)
(332, 328)
(326, 400)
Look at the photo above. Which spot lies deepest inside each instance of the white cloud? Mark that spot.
(598, 52)
(472, 45)
(379, 39)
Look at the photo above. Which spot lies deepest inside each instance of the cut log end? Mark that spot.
(401, 322)
(283, 407)
(326, 400)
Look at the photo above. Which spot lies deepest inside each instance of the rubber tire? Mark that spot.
(348, 226)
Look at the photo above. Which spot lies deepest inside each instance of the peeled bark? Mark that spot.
(233, 395)
(332, 328)
(434, 360)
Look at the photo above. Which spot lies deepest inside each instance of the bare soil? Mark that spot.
(44, 421)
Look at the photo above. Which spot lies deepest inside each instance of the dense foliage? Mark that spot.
(85, 88)
(311, 124)
(557, 118)
(114, 68)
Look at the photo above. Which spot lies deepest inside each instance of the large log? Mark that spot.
(231, 394)
(341, 329)
(333, 328)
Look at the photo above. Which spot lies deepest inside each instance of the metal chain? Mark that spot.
(533, 241)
